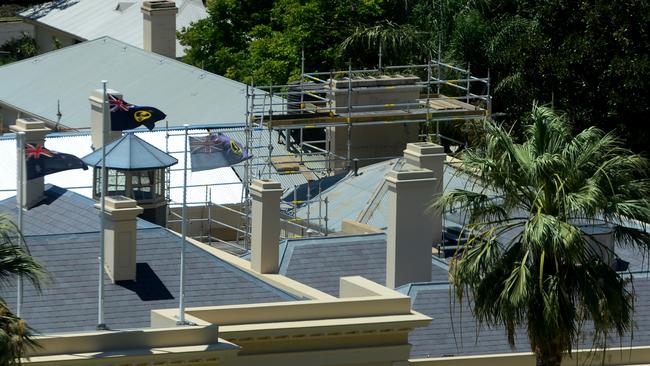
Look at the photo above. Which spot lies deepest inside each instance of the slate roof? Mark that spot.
(130, 152)
(186, 94)
(320, 262)
(453, 330)
(64, 235)
(61, 212)
(120, 19)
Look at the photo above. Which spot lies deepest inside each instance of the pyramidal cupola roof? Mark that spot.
(130, 153)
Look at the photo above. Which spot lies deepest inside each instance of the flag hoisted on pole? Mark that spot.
(181, 304)
(20, 158)
(41, 161)
(216, 151)
(126, 116)
(102, 224)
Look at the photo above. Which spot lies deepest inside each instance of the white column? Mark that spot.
(159, 32)
(30, 191)
(409, 234)
(427, 155)
(265, 233)
(120, 235)
(97, 119)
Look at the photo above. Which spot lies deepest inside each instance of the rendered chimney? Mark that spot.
(35, 131)
(160, 27)
(265, 234)
(408, 254)
(427, 155)
(97, 118)
(120, 235)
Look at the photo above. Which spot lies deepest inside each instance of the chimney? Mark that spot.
(35, 131)
(408, 254)
(160, 27)
(265, 234)
(97, 119)
(427, 155)
(120, 237)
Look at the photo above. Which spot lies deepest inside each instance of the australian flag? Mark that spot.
(125, 116)
(215, 151)
(41, 161)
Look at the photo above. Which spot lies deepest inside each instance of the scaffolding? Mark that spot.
(327, 100)
(313, 102)
(206, 216)
(289, 130)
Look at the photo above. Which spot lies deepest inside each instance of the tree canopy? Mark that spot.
(542, 217)
(15, 260)
(588, 58)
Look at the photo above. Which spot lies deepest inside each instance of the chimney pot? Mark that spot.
(265, 233)
(159, 32)
(97, 119)
(408, 254)
(427, 155)
(35, 131)
(120, 235)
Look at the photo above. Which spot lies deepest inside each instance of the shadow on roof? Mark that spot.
(147, 285)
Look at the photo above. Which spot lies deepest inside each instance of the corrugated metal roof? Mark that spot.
(362, 198)
(120, 19)
(130, 153)
(350, 195)
(185, 93)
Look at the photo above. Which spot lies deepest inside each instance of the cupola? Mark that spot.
(135, 169)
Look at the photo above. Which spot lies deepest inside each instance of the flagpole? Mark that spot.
(102, 224)
(20, 158)
(181, 305)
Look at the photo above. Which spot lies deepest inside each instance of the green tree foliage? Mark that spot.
(531, 261)
(588, 58)
(17, 49)
(261, 41)
(15, 335)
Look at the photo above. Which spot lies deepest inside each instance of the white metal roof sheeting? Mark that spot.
(185, 93)
(120, 19)
(226, 186)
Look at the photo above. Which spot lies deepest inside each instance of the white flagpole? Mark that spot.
(20, 158)
(181, 305)
(105, 122)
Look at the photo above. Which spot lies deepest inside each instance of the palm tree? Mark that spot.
(532, 260)
(15, 260)
(399, 43)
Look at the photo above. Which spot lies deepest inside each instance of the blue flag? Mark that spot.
(125, 116)
(215, 151)
(41, 161)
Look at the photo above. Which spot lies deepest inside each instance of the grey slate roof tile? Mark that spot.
(61, 212)
(68, 247)
(69, 301)
(320, 262)
(453, 330)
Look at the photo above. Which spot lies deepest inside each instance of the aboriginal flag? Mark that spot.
(125, 116)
